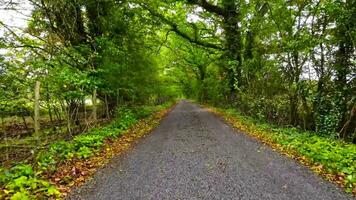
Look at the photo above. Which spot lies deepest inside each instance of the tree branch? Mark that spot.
(209, 7)
(175, 28)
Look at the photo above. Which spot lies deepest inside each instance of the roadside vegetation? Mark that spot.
(333, 159)
(36, 179)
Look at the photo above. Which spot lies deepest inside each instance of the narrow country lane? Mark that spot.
(194, 155)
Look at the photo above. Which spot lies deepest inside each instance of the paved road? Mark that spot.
(195, 155)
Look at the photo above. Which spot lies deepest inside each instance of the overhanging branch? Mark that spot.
(209, 7)
(175, 28)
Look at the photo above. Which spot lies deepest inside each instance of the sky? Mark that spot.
(14, 15)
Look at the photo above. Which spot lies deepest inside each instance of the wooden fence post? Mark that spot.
(37, 109)
(94, 106)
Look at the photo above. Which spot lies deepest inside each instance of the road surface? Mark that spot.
(193, 154)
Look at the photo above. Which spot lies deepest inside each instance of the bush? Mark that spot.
(144, 111)
(125, 118)
(84, 152)
(89, 140)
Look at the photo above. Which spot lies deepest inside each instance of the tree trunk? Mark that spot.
(342, 70)
(293, 102)
(233, 43)
(349, 128)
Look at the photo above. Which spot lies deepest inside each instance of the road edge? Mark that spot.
(82, 170)
(283, 150)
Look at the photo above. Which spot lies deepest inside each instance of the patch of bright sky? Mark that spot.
(14, 14)
(194, 17)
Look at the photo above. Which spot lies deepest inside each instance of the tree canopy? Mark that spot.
(285, 62)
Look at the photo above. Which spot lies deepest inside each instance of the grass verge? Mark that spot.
(69, 163)
(334, 160)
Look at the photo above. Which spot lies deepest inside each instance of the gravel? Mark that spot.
(194, 154)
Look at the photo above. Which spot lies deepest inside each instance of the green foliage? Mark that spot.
(21, 182)
(84, 152)
(85, 145)
(327, 118)
(125, 118)
(144, 111)
(20, 196)
(88, 140)
(147, 110)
